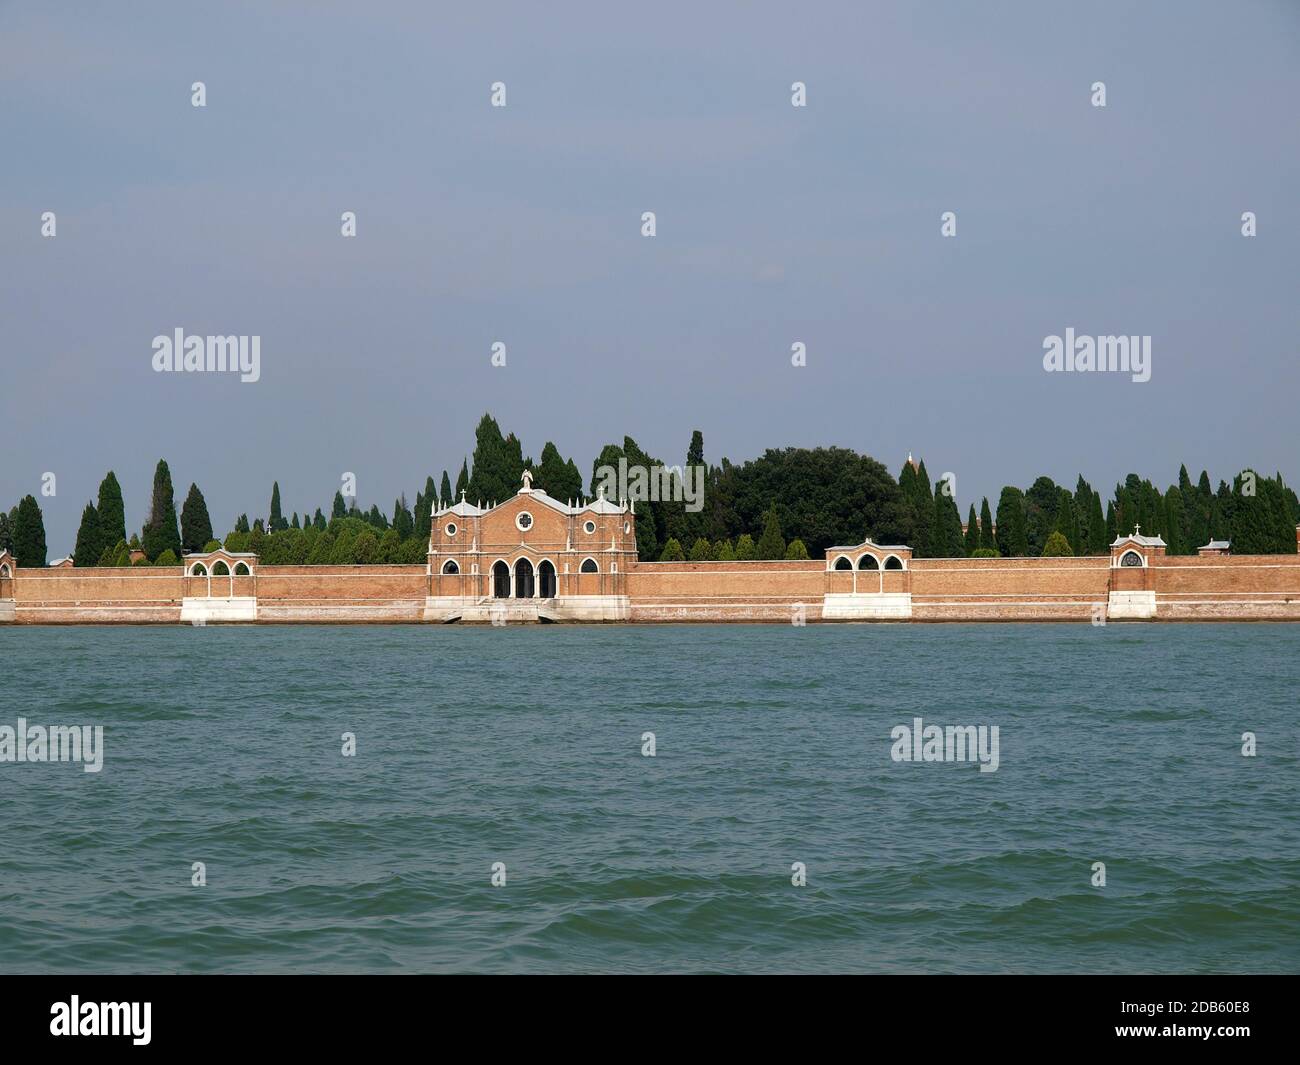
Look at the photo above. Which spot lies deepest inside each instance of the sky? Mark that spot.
(522, 225)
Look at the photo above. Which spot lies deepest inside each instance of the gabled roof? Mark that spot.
(868, 543)
(600, 505)
(1140, 540)
(1216, 545)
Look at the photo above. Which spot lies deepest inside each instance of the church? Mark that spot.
(531, 558)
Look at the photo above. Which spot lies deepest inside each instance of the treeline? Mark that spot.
(787, 503)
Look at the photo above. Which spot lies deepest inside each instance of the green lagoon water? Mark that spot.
(1119, 744)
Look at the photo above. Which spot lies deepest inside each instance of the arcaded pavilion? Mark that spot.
(531, 558)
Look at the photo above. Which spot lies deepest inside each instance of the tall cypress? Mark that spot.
(90, 540)
(277, 522)
(29, 533)
(111, 510)
(971, 541)
(196, 525)
(161, 533)
(445, 491)
(987, 540)
(1011, 538)
(462, 481)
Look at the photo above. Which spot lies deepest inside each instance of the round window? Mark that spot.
(589, 527)
(524, 520)
(451, 528)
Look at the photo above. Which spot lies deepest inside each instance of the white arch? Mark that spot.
(595, 565)
(863, 557)
(4, 570)
(1130, 553)
(835, 562)
(885, 563)
(198, 570)
(248, 570)
(451, 567)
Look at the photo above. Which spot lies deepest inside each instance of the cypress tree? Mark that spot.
(277, 522)
(702, 551)
(7, 531)
(923, 503)
(403, 523)
(771, 544)
(1067, 522)
(947, 537)
(340, 507)
(972, 540)
(293, 522)
(161, 533)
(29, 533)
(1011, 539)
(445, 489)
(462, 481)
(90, 540)
(745, 551)
(196, 526)
(111, 510)
(987, 540)
(797, 551)
(318, 521)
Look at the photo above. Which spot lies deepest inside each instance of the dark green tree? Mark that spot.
(29, 534)
(111, 510)
(1011, 538)
(672, 552)
(276, 522)
(161, 533)
(971, 541)
(90, 539)
(987, 540)
(771, 544)
(340, 508)
(196, 525)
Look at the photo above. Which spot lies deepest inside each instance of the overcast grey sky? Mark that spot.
(775, 225)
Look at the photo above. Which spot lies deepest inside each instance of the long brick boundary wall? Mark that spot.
(1226, 588)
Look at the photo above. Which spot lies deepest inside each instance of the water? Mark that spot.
(1119, 744)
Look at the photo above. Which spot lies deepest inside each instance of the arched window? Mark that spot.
(1130, 558)
(523, 579)
(199, 570)
(4, 570)
(843, 563)
(450, 567)
(241, 569)
(589, 566)
(220, 569)
(546, 580)
(893, 562)
(868, 562)
(501, 580)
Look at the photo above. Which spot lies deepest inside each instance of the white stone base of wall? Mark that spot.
(866, 606)
(489, 611)
(6, 610)
(200, 609)
(1132, 605)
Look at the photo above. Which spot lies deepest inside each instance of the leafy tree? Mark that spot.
(1057, 546)
(167, 558)
(672, 551)
(985, 552)
(90, 539)
(29, 533)
(745, 551)
(1040, 506)
(726, 553)
(318, 521)
(196, 526)
(161, 533)
(771, 544)
(796, 551)
(702, 551)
